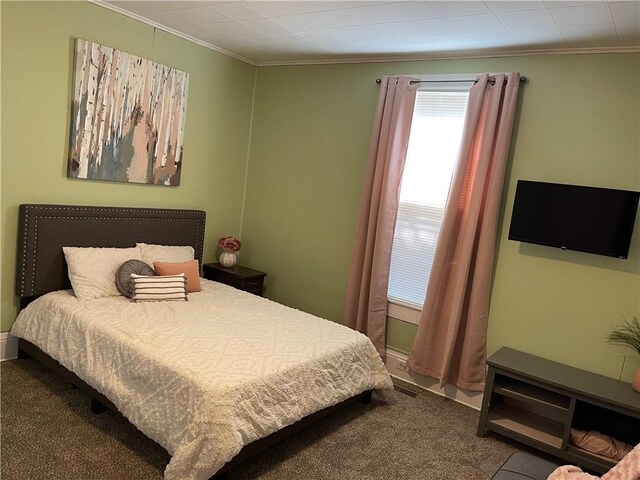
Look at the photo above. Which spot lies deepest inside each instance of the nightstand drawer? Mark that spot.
(228, 280)
(239, 277)
(255, 287)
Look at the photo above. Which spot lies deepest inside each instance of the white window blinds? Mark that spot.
(434, 141)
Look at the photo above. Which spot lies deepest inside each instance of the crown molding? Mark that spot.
(135, 16)
(451, 56)
(371, 58)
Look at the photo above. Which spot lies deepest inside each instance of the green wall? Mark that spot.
(37, 54)
(578, 123)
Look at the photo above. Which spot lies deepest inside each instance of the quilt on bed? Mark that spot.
(205, 377)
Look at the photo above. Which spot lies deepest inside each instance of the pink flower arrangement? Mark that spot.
(230, 243)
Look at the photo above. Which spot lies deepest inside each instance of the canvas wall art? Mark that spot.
(127, 118)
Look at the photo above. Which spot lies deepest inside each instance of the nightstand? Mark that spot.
(242, 278)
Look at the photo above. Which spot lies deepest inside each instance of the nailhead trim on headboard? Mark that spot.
(31, 214)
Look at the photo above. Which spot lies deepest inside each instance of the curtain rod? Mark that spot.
(474, 80)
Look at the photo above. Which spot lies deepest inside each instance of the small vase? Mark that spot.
(635, 382)
(228, 258)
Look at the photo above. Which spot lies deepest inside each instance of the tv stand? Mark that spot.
(537, 402)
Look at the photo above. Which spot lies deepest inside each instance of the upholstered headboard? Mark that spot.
(45, 229)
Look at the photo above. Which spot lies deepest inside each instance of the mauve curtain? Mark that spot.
(450, 344)
(365, 307)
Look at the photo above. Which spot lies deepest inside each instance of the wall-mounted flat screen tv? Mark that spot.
(572, 217)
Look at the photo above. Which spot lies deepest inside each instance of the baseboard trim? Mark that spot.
(8, 346)
(396, 364)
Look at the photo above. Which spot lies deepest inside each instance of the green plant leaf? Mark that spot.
(627, 335)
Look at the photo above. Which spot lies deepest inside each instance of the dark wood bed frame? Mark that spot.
(45, 229)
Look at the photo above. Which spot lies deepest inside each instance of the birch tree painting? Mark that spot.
(127, 119)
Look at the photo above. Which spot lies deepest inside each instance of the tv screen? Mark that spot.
(587, 219)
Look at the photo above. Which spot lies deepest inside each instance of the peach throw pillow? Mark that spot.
(190, 269)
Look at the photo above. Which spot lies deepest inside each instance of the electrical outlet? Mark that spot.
(403, 366)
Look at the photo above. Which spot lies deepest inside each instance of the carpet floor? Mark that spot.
(48, 431)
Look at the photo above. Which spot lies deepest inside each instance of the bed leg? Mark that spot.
(97, 407)
(365, 398)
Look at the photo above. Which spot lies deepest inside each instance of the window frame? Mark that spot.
(404, 311)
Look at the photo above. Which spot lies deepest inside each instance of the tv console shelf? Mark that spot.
(537, 402)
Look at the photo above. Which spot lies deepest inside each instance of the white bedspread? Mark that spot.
(205, 377)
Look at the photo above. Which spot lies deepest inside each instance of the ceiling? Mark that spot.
(280, 32)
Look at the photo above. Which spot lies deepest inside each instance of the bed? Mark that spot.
(212, 380)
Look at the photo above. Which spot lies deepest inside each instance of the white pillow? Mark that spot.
(92, 271)
(165, 253)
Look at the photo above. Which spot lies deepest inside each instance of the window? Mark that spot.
(434, 140)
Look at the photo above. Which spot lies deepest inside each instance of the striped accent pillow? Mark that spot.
(159, 288)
